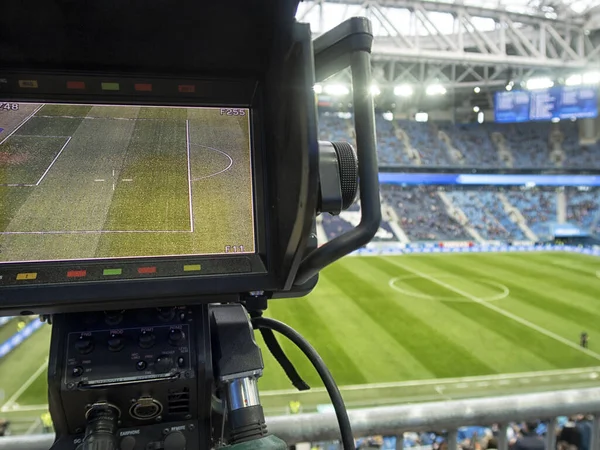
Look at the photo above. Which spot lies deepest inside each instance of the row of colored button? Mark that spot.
(107, 86)
(81, 273)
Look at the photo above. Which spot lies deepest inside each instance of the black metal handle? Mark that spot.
(350, 44)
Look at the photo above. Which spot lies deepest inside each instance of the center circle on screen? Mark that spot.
(214, 162)
(503, 290)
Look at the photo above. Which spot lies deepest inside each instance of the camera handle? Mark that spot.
(349, 45)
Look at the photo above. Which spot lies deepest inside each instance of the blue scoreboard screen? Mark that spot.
(559, 102)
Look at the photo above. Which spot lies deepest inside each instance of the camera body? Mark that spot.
(152, 346)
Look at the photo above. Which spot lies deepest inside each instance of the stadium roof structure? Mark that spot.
(468, 44)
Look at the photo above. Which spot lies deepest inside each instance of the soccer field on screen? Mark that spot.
(399, 329)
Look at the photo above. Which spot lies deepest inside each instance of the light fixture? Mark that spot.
(337, 90)
(509, 87)
(403, 90)
(555, 120)
(421, 117)
(318, 88)
(539, 83)
(573, 80)
(480, 117)
(375, 91)
(477, 89)
(475, 108)
(388, 115)
(435, 89)
(591, 78)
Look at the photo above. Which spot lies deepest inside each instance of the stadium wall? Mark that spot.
(379, 249)
(17, 339)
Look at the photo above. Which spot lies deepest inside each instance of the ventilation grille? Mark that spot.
(179, 401)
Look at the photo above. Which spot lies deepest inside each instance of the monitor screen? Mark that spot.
(80, 182)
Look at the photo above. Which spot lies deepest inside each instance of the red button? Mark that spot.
(146, 269)
(76, 273)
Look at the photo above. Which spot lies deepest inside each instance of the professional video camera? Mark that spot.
(160, 176)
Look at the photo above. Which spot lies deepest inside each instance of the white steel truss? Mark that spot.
(512, 45)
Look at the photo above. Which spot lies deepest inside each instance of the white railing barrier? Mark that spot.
(433, 416)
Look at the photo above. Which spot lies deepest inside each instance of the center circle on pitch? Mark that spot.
(213, 162)
(502, 291)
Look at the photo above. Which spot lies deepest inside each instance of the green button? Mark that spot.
(110, 86)
(192, 268)
(112, 271)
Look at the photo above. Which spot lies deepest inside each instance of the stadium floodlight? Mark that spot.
(318, 88)
(435, 89)
(509, 87)
(337, 90)
(591, 78)
(477, 89)
(403, 90)
(476, 109)
(539, 83)
(480, 117)
(555, 120)
(388, 115)
(573, 80)
(421, 117)
(375, 91)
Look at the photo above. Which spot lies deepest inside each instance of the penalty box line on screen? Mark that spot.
(93, 232)
(47, 168)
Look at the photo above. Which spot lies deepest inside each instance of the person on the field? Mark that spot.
(583, 339)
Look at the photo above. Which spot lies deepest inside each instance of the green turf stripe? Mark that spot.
(464, 330)
(431, 347)
(337, 355)
(380, 356)
(518, 277)
(549, 349)
(560, 280)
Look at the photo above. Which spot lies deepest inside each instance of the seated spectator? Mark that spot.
(529, 440)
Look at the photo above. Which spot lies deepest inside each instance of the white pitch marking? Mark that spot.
(113, 186)
(219, 172)
(502, 379)
(127, 179)
(32, 427)
(22, 123)
(17, 407)
(113, 172)
(94, 231)
(189, 167)
(100, 179)
(462, 385)
(11, 401)
(53, 161)
(483, 384)
(505, 313)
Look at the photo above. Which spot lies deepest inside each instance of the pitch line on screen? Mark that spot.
(22, 123)
(501, 311)
(219, 172)
(53, 161)
(93, 232)
(189, 170)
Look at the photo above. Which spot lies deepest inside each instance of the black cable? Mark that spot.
(283, 360)
(323, 371)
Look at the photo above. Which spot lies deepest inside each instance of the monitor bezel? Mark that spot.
(63, 296)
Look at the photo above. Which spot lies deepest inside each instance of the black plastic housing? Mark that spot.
(242, 53)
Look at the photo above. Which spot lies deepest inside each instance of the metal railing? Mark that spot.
(395, 420)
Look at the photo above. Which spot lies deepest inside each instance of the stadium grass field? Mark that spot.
(413, 328)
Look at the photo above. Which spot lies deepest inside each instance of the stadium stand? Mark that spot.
(489, 145)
